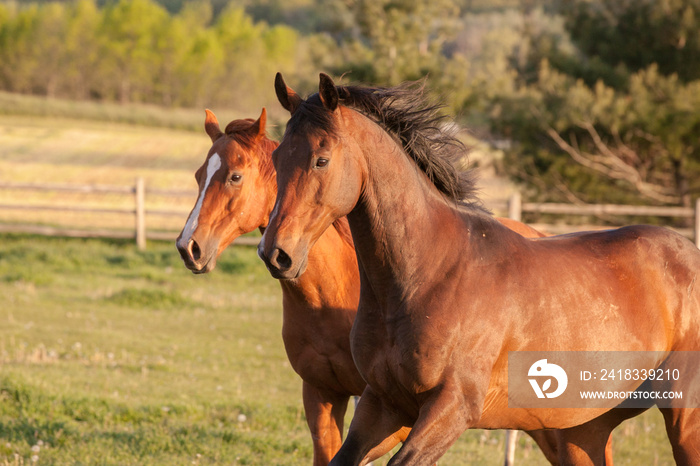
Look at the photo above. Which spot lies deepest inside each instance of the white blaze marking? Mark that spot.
(212, 166)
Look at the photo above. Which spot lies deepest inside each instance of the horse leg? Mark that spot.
(591, 442)
(325, 414)
(609, 451)
(441, 420)
(547, 441)
(683, 430)
(583, 445)
(374, 431)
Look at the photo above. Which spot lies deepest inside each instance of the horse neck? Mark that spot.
(401, 221)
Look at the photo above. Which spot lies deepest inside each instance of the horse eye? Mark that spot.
(321, 162)
(235, 178)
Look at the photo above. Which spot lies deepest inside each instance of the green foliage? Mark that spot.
(636, 34)
(128, 39)
(601, 122)
(644, 138)
(403, 39)
(198, 53)
(137, 51)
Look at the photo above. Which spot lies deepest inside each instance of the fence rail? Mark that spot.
(139, 212)
(516, 207)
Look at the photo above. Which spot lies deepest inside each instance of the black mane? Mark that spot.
(406, 113)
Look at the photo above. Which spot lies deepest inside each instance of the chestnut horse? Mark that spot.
(447, 291)
(237, 190)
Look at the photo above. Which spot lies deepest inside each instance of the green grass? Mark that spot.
(110, 356)
(113, 356)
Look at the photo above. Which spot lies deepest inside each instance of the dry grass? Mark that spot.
(60, 148)
(42, 150)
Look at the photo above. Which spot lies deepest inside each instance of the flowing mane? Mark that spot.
(406, 113)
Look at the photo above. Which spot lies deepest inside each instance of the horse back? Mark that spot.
(647, 273)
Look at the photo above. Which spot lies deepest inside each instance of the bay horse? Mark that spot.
(447, 291)
(237, 191)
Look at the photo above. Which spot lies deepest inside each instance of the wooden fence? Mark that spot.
(138, 211)
(513, 207)
(516, 207)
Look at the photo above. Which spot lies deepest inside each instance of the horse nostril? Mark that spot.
(183, 252)
(283, 260)
(195, 252)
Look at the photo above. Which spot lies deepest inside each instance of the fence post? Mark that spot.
(140, 214)
(511, 444)
(697, 222)
(515, 207)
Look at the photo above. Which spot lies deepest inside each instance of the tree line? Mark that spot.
(594, 100)
(135, 51)
(193, 52)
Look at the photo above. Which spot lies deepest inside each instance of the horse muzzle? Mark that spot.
(280, 264)
(195, 257)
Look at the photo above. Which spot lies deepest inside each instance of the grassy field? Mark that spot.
(113, 356)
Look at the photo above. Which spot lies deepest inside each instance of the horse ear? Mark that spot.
(211, 125)
(258, 128)
(328, 92)
(289, 99)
